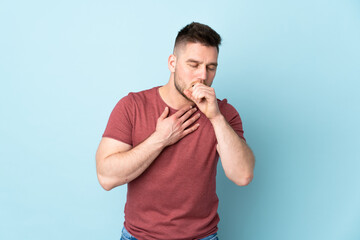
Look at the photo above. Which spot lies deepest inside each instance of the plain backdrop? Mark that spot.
(291, 68)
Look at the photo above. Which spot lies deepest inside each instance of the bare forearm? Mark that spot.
(236, 157)
(123, 167)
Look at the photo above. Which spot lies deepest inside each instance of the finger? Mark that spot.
(207, 91)
(181, 112)
(188, 93)
(190, 130)
(201, 94)
(164, 113)
(197, 98)
(195, 85)
(188, 114)
(191, 121)
(199, 87)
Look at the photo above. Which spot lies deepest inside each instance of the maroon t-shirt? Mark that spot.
(175, 198)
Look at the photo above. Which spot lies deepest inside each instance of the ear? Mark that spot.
(172, 63)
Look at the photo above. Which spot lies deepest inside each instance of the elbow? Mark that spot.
(106, 187)
(244, 180)
(105, 183)
(109, 183)
(240, 178)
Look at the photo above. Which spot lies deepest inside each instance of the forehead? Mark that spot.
(198, 51)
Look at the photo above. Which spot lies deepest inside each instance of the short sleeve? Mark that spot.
(232, 117)
(119, 126)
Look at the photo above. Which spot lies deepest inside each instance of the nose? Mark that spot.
(202, 75)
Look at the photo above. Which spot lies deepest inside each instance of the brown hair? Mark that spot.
(198, 33)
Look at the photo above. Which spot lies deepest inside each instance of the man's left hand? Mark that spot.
(205, 99)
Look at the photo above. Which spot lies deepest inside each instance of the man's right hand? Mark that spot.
(171, 129)
(118, 163)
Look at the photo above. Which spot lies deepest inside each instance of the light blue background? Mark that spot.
(291, 68)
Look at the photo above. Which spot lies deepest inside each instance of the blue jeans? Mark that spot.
(127, 236)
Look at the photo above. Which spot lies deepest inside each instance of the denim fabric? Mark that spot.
(211, 237)
(127, 236)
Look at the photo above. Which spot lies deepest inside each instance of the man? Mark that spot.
(165, 143)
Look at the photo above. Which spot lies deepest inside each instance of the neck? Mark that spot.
(172, 97)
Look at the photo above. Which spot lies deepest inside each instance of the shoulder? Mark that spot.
(144, 95)
(225, 107)
(229, 111)
(232, 117)
(138, 97)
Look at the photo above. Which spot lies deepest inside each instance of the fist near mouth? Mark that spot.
(204, 97)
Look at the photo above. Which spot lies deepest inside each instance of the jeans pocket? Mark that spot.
(125, 235)
(215, 237)
(211, 237)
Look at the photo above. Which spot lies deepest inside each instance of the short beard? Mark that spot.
(180, 89)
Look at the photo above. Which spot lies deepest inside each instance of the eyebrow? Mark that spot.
(198, 62)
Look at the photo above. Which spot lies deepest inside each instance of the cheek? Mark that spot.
(188, 72)
(181, 71)
(212, 74)
(210, 79)
(187, 76)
